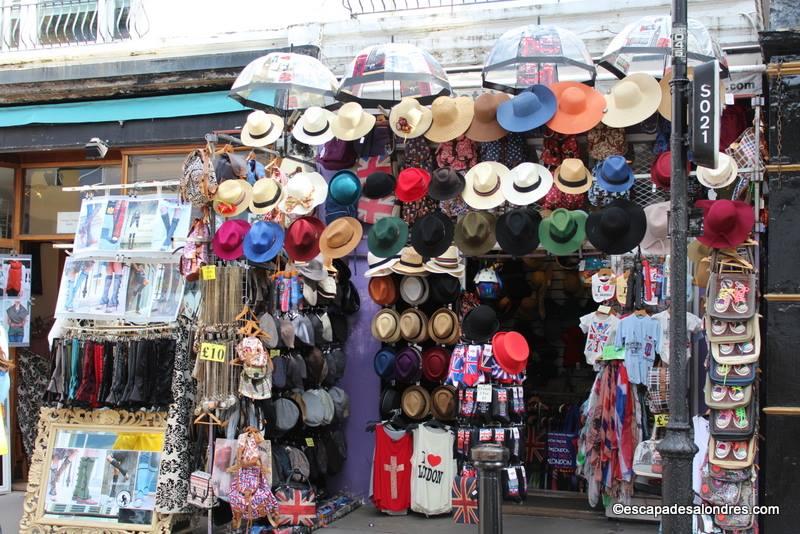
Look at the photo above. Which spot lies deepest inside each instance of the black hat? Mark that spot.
(432, 235)
(443, 288)
(446, 184)
(339, 327)
(617, 228)
(390, 400)
(480, 323)
(517, 231)
(379, 185)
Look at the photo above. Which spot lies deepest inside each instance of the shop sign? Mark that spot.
(705, 114)
(744, 84)
(213, 352)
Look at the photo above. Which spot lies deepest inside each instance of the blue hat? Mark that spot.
(263, 241)
(384, 363)
(614, 174)
(344, 188)
(528, 110)
(334, 210)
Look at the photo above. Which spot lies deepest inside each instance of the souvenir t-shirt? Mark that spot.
(433, 470)
(603, 287)
(693, 325)
(600, 330)
(641, 337)
(391, 470)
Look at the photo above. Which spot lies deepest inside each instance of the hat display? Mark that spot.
(390, 401)
(412, 184)
(435, 363)
(386, 326)
(379, 185)
(410, 263)
(572, 177)
(383, 290)
(563, 232)
(517, 231)
(232, 197)
(443, 327)
(341, 237)
(312, 270)
(484, 127)
(526, 183)
(444, 403)
(414, 325)
(722, 176)
(482, 188)
(352, 122)
(414, 290)
(314, 127)
(511, 351)
(480, 323)
(416, 403)
(261, 129)
(263, 242)
(632, 100)
(444, 289)
(475, 233)
(287, 332)
(409, 119)
(407, 364)
(449, 262)
(661, 170)
(387, 237)
(344, 188)
(302, 238)
(228, 242)
(432, 234)
(304, 192)
(451, 118)
(377, 266)
(383, 363)
(267, 194)
(618, 227)
(614, 174)
(527, 110)
(446, 184)
(580, 108)
(726, 223)
(268, 325)
(656, 240)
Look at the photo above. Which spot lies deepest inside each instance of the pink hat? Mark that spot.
(228, 241)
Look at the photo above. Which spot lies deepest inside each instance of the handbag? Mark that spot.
(201, 491)
(658, 390)
(195, 251)
(297, 503)
(734, 424)
(646, 458)
(198, 183)
(732, 375)
(727, 397)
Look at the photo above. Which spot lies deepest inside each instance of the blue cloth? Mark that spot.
(640, 336)
(255, 171)
(5, 386)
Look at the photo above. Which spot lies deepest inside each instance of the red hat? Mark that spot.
(661, 170)
(229, 239)
(510, 351)
(302, 238)
(726, 223)
(412, 184)
(435, 363)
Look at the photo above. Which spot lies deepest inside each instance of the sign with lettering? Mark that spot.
(213, 352)
(705, 114)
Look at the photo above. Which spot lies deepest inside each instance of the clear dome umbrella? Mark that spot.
(536, 54)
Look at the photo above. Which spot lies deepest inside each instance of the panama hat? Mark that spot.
(572, 177)
(527, 110)
(416, 403)
(448, 262)
(263, 241)
(484, 127)
(267, 194)
(340, 237)
(232, 197)
(414, 290)
(377, 266)
(517, 231)
(632, 100)
(656, 236)
(446, 184)
(526, 183)
(721, 176)
(383, 362)
(409, 119)
(443, 326)
(435, 363)
(474, 233)
(413, 326)
(228, 241)
(580, 108)
(444, 403)
(352, 122)
(386, 326)
(614, 174)
(314, 127)
(345, 188)
(303, 192)
(412, 184)
(726, 223)
(410, 263)
(563, 232)
(383, 290)
(302, 238)
(480, 323)
(387, 237)
(618, 227)
(407, 364)
(510, 351)
(261, 129)
(451, 118)
(379, 185)
(432, 234)
(482, 189)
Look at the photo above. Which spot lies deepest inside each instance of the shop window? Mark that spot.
(155, 167)
(47, 209)
(6, 201)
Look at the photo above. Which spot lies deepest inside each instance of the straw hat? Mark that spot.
(352, 122)
(261, 129)
(580, 108)
(444, 403)
(451, 118)
(632, 100)
(526, 183)
(665, 107)
(377, 266)
(414, 290)
(410, 262)
(267, 194)
(409, 119)
(232, 197)
(443, 326)
(482, 189)
(416, 403)
(303, 192)
(572, 177)
(449, 262)
(484, 127)
(340, 237)
(386, 326)
(314, 127)
(722, 175)
(414, 326)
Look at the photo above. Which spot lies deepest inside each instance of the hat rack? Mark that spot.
(214, 138)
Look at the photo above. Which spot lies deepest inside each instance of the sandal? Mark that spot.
(740, 450)
(722, 449)
(740, 418)
(724, 418)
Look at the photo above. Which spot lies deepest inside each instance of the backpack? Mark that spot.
(199, 181)
(195, 251)
(250, 496)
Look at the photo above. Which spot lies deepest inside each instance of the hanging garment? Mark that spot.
(641, 336)
(391, 470)
(600, 330)
(433, 470)
(33, 379)
(14, 280)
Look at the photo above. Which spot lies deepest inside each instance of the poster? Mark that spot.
(15, 298)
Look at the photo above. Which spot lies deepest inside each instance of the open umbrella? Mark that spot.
(381, 75)
(285, 81)
(536, 54)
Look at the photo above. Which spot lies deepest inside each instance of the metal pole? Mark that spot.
(489, 459)
(677, 448)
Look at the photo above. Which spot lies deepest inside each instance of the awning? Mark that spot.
(126, 109)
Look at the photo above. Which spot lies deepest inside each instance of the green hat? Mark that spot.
(474, 233)
(563, 232)
(387, 236)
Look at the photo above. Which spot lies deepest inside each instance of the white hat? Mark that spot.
(379, 266)
(352, 122)
(526, 183)
(303, 192)
(722, 176)
(267, 193)
(631, 100)
(314, 127)
(450, 263)
(655, 240)
(310, 294)
(409, 119)
(482, 190)
(261, 129)
(414, 290)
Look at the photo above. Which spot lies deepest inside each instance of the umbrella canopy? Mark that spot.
(645, 46)
(285, 81)
(381, 75)
(536, 55)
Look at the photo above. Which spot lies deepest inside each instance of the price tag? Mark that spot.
(662, 419)
(213, 352)
(485, 393)
(274, 353)
(208, 272)
(309, 442)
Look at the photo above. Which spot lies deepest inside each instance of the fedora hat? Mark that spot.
(263, 242)
(572, 177)
(527, 110)
(632, 100)
(302, 238)
(661, 170)
(387, 237)
(435, 363)
(413, 325)
(432, 234)
(482, 189)
(446, 184)
(614, 174)
(386, 326)
(383, 290)
(448, 262)
(313, 269)
(416, 403)
(484, 127)
(444, 403)
(665, 106)
(526, 183)
(409, 119)
(444, 289)
(345, 188)
(580, 108)
(414, 290)
(511, 351)
(407, 364)
(314, 127)
(390, 402)
(303, 192)
(377, 266)
(480, 323)
(443, 327)
(721, 176)
(563, 232)
(412, 184)
(310, 294)
(618, 227)
(261, 129)
(352, 122)
(379, 185)
(383, 363)
(451, 118)
(232, 197)
(517, 231)
(656, 240)
(410, 263)
(341, 237)
(726, 223)
(267, 194)
(475, 233)
(228, 241)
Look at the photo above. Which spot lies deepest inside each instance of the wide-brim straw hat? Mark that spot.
(409, 119)
(303, 192)
(261, 129)
(632, 100)
(526, 183)
(267, 194)
(314, 127)
(483, 185)
(352, 122)
(451, 118)
(232, 197)
(721, 176)
(484, 127)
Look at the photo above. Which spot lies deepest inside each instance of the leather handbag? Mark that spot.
(297, 503)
